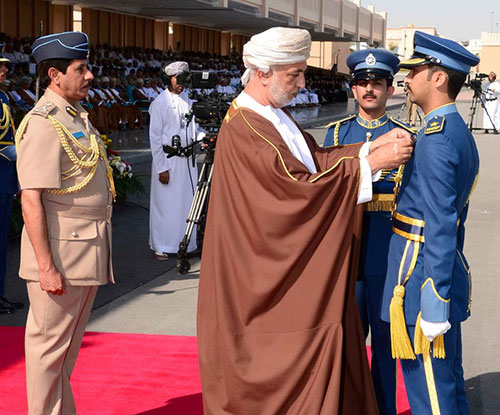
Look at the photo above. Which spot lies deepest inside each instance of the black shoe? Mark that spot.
(6, 309)
(17, 305)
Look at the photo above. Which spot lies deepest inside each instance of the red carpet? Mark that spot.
(121, 374)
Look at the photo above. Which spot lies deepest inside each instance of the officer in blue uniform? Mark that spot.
(427, 290)
(373, 72)
(8, 185)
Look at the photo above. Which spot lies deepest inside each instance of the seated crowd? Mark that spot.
(128, 79)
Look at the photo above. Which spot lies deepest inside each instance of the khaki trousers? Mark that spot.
(54, 333)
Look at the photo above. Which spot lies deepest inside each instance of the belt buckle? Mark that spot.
(109, 212)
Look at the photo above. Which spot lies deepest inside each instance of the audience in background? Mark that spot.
(128, 79)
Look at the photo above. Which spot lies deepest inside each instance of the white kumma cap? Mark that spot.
(175, 68)
(275, 46)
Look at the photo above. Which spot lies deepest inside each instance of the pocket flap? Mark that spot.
(71, 229)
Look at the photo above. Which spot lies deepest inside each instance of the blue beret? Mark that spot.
(66, 45)
(443, 52)
(373, 64)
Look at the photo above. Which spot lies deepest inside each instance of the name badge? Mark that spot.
(79, 134)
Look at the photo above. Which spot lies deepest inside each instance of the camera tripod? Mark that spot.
(198, 211)
(476, 100)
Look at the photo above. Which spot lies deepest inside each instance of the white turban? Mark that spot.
(175, 68)
(275, 46)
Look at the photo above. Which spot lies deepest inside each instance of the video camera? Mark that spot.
(176, 148)
(197, 79)
(475, 83)
(208, 110)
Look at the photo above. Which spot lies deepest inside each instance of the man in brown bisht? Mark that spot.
(278, 328)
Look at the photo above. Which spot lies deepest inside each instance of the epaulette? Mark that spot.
(43, 110)
(435, 125)
(350, 117)
(404, 126)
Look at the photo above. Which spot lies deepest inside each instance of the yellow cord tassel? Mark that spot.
(438, 350)
(423, 345)
(400, 341)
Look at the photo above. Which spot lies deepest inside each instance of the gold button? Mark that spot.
(74, 234)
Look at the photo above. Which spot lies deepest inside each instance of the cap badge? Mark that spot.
(370, 60)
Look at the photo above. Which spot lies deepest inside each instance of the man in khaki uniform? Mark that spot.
(67, 193)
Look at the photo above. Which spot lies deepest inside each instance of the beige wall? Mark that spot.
(490, 60)
(325, 54)
(402, 38)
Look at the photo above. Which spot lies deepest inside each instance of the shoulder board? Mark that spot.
(332, 124)
(403, 125)
(43, 110)
(435, 125)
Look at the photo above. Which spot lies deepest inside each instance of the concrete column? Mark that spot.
(264, 9)
(384, 32)
(357, 3)
(341, 12)
(372, 23)
(296, 15)
(321, 14)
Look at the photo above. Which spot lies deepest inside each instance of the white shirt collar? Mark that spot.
(289, 132)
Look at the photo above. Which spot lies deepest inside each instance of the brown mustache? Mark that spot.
(369, 96)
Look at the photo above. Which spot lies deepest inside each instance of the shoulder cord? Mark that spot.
(398, 178)
(5, 121)
(336, 134)
(89, 160)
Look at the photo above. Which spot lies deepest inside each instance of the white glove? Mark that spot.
(433, 330)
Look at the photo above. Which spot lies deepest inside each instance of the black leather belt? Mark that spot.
(409, 228)
(491, 99)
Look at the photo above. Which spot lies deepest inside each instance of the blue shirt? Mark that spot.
(377, 226)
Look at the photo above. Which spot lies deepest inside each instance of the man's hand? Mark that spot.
(433, 330)
(393, 153)
(164, 177)
(390, 137)
(52, 281)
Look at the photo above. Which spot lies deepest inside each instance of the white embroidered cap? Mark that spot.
(275, 46)
(175, 68)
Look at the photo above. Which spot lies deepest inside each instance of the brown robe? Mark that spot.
(278, 326)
